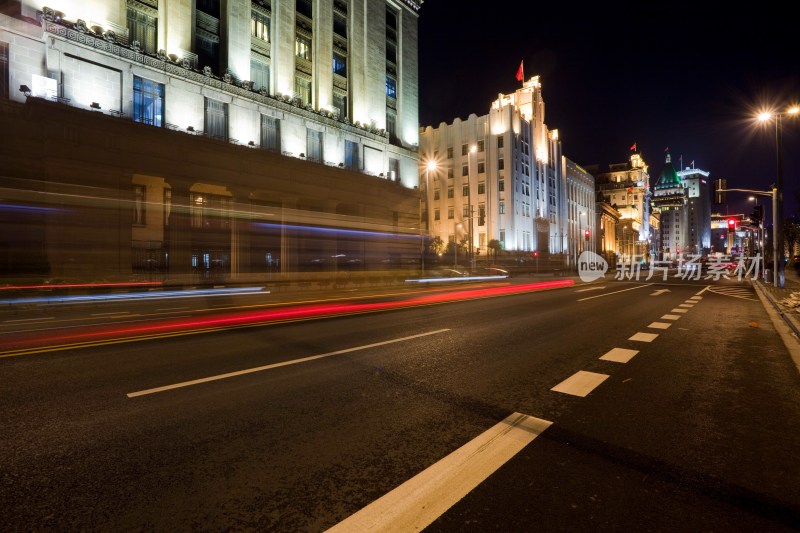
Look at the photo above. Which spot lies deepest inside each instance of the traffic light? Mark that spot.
(758, 214)
(586, 233)
(731, 224)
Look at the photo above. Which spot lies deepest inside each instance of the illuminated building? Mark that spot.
(626, 188)
(670, 199)
(498, 177)
(582, 221)
(212, 135)
(698, 215)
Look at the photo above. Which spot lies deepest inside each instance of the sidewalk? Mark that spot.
(787, 299)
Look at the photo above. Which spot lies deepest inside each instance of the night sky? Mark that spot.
(676, 75)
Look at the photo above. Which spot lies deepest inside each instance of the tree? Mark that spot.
(437, 245)
(791, 234)
(494, 248)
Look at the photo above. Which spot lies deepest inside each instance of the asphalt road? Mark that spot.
(299, 426)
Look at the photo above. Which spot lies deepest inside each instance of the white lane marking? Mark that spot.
(658, 292)
(659, 325)
(619, 355)
(278, 365)
(415, 504)
(644, 337)
(580, 383)
(614, 292)
(591, 289)
(734, 292)
(670, 317)
(679, 310)
(29, 319)
(686, 305)
(696, 297)
(706, 288)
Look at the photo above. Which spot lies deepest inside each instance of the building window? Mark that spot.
(436, 194)
(391, 125)
(482, 187)
(207, 49)
(450, 173)
(340, 104)
(339, 65)
(270, 133)
(481, 146)
(313, 145)
(500, 142)
(148, 101)
(450, 192)
(501, 164)
(391, 86)
(450, 213)
(302, 47)
(394, 169)
(465, 170)
(142, 27)
(481, 167)
(139, 204)
(259, 74)
(304, 8)
(449, 152)
(302, 87)
(351, 155)
(216, 119)
(259, 26)
(465, 211)
(340, 25)
(501, 185)
(481, 214)
(436, 215)
(465, 190)
(502, 208)
(464, 149)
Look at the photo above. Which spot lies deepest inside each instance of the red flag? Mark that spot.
(520, 74)
(666, 149)
(633, 147)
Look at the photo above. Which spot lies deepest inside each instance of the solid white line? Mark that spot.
(614, 292)
(706, 288)
(619, 355)
(580, 383)
(644, 337)
(659, 325)
(278, 365)
(670, 317)
(415, 504)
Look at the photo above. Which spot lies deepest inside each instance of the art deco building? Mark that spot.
(698, 215)
(238, 136)
(581, 210)
(498, 176)
(670, 199)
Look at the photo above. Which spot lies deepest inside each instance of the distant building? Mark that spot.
(223, 138)
(498, 176)
(698, 219)
(670, 200)
(626, 188)
(582, 220)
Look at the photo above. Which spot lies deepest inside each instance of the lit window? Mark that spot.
(302, 47)
(339, 65)
(391, 87)
(148, 101)
(259, 26)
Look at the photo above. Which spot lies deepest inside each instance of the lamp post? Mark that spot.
(430, 166)
(777, 201)
(471, 250)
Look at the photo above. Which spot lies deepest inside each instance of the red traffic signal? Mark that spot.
(586, 233)
(732, 224)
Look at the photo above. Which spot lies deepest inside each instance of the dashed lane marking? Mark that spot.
(686, 305)
(644, 337)
(679, 311)
(619, 355)
(670, 317)
(659, 325)
(425, 497)
(580, 383)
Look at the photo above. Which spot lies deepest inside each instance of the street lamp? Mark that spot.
(430, 166)
(470, 251)
(777, 203)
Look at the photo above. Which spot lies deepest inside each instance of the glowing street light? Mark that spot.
(777, 202)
